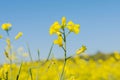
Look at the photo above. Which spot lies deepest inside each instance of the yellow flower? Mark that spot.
(76, 28)
(63, 21)
(59, 41)
(73, 27)
(6, 26)
(1, 36)
(81, 50)
(70, 26)
(18, 35)
(54, 28)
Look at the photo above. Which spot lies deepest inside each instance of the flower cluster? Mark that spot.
(58, 29)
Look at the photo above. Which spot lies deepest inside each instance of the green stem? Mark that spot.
(18, 75)
(50, 52)
(10, 69)
(68, 33)
(38, 55)
(6, 76)
(63, 70)
(10, 58)
(7, 33)
(29, 53)
(48, 55)
(30, 72)
(65, 56)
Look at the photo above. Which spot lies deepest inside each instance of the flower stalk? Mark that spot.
(8, 50)
(65, 55)
(60, 31)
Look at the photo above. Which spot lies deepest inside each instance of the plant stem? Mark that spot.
(6, 76)
(9, 46)
(65, 56)
(38, 55)
(18, 75)
(10, 69)
(50, 52)
(63, 68)
(29, 53)
(7, 33)
(30, 72)
(68, 33)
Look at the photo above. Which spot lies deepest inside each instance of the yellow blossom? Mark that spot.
(6, 26)
(81, 50)
(63, 21)
(54, 28)
(73, 27)
(70, 26)
(18, 35)
(76, 28)
(59, 41)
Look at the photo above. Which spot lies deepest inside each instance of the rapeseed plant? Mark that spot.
(60, 31)
(9, 53)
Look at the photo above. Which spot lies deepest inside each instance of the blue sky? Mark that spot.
(99, 20)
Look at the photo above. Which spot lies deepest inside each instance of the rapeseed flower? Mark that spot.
(63, 22)
(81, 50)
(73, 27)
(59, 41)
(54, 28)
(6, 26)
(70, 26)
(18, 35)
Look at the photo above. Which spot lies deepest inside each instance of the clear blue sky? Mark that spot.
(99, 20)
